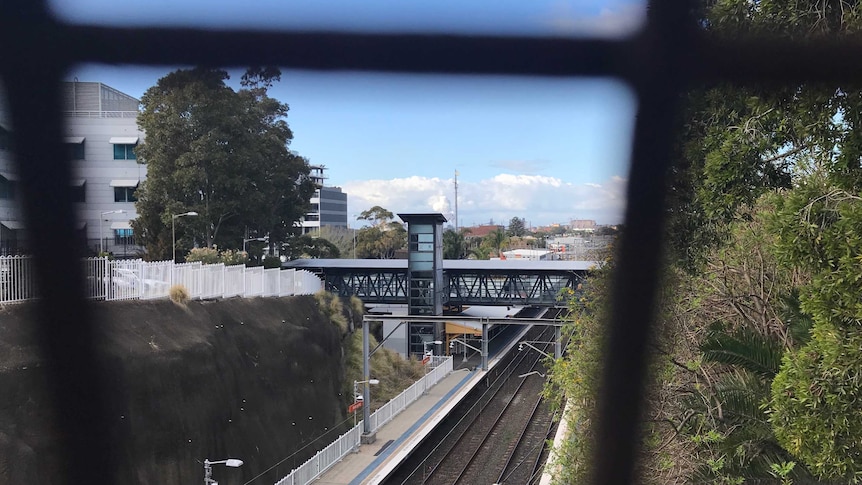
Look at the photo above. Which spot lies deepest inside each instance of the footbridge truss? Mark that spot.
(467, 282)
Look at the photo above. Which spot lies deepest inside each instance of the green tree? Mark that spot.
(517, 227)
(341, 237)
(815, 396)
(496, 240)
(306, 246)
(381, 240)
(454, 245)
(221, 153)
(377, 215)
(377, 243)
(736, 143)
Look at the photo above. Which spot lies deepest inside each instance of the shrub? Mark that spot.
(271, 262)
(179, 294)
(330, 305)
(203, 255)
(230, 256)
(815, 410)
(213, 256)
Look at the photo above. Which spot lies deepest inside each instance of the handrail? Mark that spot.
(318, 464)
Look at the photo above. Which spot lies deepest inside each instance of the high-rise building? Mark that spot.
(328, 204)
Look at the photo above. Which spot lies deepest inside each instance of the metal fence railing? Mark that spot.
(318, 464)
(17, 279)
(140, 280)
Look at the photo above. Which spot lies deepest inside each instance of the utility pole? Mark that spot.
(456, 201)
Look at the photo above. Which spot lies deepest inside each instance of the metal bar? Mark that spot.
(638, 263)
(76, 372)
(485, 346)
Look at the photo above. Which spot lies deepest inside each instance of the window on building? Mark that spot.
(123, 236)
(79, 192)
(75, 151)
(125, 194)
(7, 188)
(124, 151)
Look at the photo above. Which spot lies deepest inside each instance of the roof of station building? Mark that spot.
(448, 264)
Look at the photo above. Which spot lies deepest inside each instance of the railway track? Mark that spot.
(501, 435)
(525, 462)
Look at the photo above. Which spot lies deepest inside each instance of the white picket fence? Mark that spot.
(324, 459)
(140, 280)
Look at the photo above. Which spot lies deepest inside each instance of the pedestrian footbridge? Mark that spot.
(466, 282)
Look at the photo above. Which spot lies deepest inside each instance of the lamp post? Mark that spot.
(174, 232)
(208, 471)
(425, 345)
(466, 345)
(361, 397)
(428, 354)
(253, 239)
(101, 234)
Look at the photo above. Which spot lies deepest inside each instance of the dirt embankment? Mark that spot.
(254, 379)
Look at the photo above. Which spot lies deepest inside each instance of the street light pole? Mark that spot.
(101, 234)
(428, 354)
(425, 347)
(208, 471)
(174, 231)
(358, 397)
(253, 239)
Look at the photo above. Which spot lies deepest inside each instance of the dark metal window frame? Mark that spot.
(658, 63)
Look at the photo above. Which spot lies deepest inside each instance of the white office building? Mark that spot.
(100, 133)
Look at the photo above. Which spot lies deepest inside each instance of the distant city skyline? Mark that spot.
(544, 149)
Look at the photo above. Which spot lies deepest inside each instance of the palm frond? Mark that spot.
(749, 350)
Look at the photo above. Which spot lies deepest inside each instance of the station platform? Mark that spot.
(372, 463)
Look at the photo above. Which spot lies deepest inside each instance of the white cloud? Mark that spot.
(539, 199)
(614, 21)
(522, 166)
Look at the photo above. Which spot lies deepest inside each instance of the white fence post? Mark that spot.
(128, 279)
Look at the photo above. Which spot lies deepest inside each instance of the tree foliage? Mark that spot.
(381, 240)
(764, 219)
(454, 244)
(306, 246)
(814, 408)
(574, 379)
(496, 241)
(377, 215)
(221, 153)
(815, 403)
(736, 143)
(341, 237)
(517, 227)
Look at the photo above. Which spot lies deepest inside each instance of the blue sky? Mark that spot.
(547, 150)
